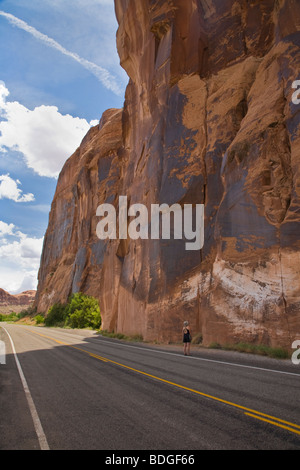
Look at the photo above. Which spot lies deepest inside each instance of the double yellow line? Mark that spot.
(292, 427)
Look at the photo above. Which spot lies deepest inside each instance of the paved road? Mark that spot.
(77, 390)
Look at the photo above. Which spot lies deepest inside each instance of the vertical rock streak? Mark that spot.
(207, 118)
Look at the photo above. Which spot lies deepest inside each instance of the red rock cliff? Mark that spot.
(17, 302)
(208, 118)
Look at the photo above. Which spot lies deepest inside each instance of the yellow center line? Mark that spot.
(275, 424)
(208, 396)
(98, 357)
(248, 411)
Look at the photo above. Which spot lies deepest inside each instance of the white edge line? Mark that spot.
(233, 364)
(34, 414)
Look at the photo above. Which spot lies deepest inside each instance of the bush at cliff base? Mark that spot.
(56, 315)
(82, 311)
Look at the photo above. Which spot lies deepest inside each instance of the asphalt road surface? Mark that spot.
(68, 390)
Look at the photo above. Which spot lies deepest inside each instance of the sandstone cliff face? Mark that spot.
(208, 119)
(15, 303)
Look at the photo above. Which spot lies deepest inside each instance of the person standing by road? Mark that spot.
(187, 338)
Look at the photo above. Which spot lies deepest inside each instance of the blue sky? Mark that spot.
(59, 70)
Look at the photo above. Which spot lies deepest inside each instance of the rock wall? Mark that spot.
(208, 118)
(15, 303)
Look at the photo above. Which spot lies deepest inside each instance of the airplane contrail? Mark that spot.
(103, 75)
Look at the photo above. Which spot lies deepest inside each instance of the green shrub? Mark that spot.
(112, 334)
(83, 312)
(11, 317)
(56, 315)
(39, 319)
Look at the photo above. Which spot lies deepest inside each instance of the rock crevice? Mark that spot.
(207, 118)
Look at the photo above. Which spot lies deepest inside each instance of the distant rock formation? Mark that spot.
(209, 119)
(17, 302)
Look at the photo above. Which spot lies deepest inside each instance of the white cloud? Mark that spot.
(16, 282)
(21, 250)
(103, 75)
(28, 282)
(20, 259)
(9, 189)
(6, 229)
(45, 137)
(94, 122)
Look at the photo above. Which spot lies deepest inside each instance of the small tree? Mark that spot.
(83, 312)
(39, 319)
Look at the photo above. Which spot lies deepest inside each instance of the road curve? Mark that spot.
(68, 390)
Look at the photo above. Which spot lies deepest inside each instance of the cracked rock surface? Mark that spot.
(208, 118)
